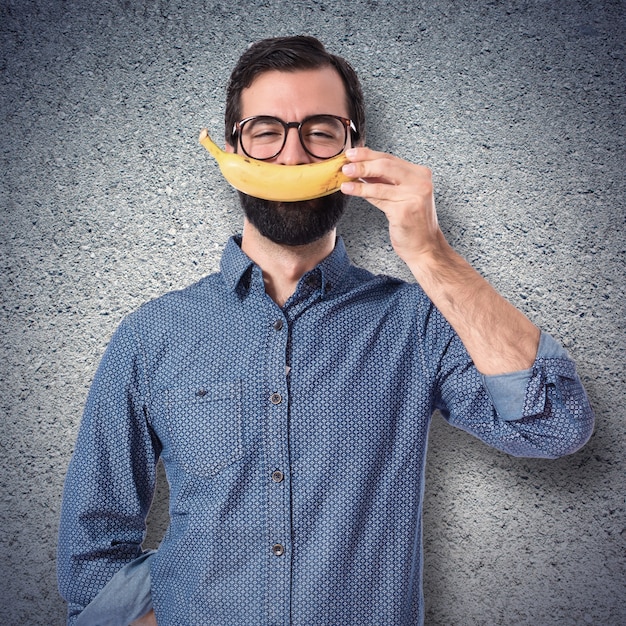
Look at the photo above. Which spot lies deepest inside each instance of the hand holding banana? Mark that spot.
(270, 181)
(403, 191)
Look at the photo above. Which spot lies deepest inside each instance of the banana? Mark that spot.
(270, 181)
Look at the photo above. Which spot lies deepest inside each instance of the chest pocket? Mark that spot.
(203, 426)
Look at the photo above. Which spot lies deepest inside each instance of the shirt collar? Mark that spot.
(236, 265)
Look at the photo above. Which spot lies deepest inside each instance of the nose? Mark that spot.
(293, 153)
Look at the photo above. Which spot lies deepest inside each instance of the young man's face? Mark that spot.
(291, 97)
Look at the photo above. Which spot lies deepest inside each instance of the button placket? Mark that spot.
(277, 456)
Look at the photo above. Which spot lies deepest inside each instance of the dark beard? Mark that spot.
(294, 223)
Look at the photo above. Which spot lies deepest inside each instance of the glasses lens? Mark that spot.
(323, 136)
(262, 137)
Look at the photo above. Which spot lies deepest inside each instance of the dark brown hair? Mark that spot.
(289, 54)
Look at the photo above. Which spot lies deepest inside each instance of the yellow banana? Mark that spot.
(270, 181)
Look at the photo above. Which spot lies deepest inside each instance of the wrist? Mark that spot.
(430, 261)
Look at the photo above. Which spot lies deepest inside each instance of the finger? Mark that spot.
(366, 154)
(373, 171)
(388, 169)
(370, 191)
(359, 155)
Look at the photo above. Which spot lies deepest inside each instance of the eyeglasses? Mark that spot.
(262, 137)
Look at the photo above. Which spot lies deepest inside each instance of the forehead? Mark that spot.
(294, 95)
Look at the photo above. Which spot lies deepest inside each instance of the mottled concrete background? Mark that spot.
(108, 200)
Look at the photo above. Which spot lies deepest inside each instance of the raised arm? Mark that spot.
(498, 337)
(529, 400)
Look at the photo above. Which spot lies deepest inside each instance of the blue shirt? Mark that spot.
(294, 442)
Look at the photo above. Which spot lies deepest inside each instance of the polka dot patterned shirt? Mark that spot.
(294, 442)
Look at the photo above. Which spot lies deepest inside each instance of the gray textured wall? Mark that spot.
(108, 200)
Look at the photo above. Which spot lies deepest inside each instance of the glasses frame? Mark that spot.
(348, 124)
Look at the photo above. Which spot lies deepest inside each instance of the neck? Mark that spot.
(283, 266)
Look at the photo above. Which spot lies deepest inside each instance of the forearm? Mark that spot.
(497, 336)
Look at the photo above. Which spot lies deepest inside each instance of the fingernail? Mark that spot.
(348, 169)
(351, 152)
(347, 187)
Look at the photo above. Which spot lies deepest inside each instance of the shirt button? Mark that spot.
(276, 398)
(278, 476)
(278, 324)
(278, 550)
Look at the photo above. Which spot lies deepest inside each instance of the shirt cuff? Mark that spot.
(125, 598)
(508, 391)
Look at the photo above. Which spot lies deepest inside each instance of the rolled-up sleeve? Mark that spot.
(518, 394)
(126, 597)
(543, 411)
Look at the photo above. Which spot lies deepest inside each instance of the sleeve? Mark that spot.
(111, 477)
(508, 391)
(125, 598)
(540, 412)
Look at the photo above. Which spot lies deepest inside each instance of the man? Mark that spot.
(289, 395)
